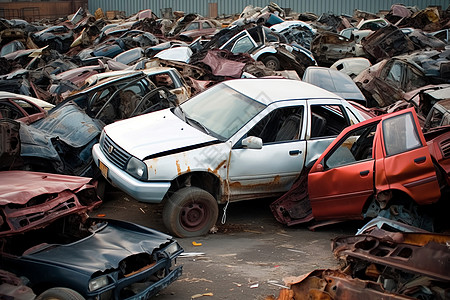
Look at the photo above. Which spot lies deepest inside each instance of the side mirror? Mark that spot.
(252, 142)
(319, 168)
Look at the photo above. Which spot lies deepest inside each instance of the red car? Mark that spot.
(381, 166)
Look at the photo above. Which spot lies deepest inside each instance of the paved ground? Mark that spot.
(246, 259)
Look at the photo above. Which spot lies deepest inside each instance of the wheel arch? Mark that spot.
(205, 180)
(389, 196)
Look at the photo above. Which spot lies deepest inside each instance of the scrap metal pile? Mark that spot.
(384, 260)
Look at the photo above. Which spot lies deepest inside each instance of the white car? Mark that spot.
(241, 139)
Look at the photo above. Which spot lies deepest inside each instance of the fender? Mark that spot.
(264, 50)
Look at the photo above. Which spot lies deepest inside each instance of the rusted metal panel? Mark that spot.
(418, 253)
(33, 10)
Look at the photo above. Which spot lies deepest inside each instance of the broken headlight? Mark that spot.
(136, 168)
(172, 249)
(98, 283)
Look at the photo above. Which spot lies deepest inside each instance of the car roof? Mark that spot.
(269, 90)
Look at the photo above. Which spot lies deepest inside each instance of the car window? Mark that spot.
(206, 25)
(414, 80)
(7, 110)
(395, 74)
(230, 44)
(30, 109)
(282, 124)
(356, 146)
(400, 134)
(446, 120)
(436, 118)
(243, 45)
(193, 26)
(328, 120)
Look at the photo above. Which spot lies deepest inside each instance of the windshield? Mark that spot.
(220, 111)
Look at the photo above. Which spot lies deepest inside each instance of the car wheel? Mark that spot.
(190, 212)
(60, 293)
(271, 62)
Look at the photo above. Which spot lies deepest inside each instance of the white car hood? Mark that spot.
(155, 133)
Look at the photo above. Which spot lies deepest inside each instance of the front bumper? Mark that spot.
(151, 192)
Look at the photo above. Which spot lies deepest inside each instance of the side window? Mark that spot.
(243, 45)
(436, 118)
(400, 134)
(192, 26)
(414, 80)
(30, 109)
(446, 119)
(230, 44)
(206, 25)
(395, 74)
(7, 110)
(327, 120)
(356, 146)
(283, 124)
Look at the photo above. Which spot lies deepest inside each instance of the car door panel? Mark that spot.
(341, 187)
(341, 192)
(267, 171)
(407, 162)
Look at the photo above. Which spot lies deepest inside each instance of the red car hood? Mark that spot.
(31, 200)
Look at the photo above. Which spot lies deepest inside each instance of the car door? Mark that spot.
(406, 163)
(342, 180)
(273, 168)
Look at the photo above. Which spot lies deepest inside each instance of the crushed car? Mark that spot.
(387, 81)
(380, 167)
(45, 222)
(194, 156)
(122, 97)
(263, 45)
(22, 108)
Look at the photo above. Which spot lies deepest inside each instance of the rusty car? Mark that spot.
(48, 239)
(219, 146)
(380, 167)
(22, 108)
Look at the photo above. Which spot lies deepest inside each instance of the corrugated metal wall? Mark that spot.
(236, 6)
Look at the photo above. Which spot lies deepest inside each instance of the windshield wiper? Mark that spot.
(197, 123)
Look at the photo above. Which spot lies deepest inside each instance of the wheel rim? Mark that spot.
(271, 64)
(194, 216)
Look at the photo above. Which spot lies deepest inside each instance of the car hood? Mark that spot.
(104, 249)
(32, 200)
(155, 133)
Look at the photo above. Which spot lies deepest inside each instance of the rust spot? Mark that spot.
(275, 181)
(178, 167)
(219, 166)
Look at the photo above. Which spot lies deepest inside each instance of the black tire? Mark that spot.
(271, 62)
(190, 212)
(60, 293)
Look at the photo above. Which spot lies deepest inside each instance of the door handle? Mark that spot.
(364, 173)
(295, 152)
(420, 160)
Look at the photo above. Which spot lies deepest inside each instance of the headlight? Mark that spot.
(172, 248)
(98, 283)
(137, 168)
